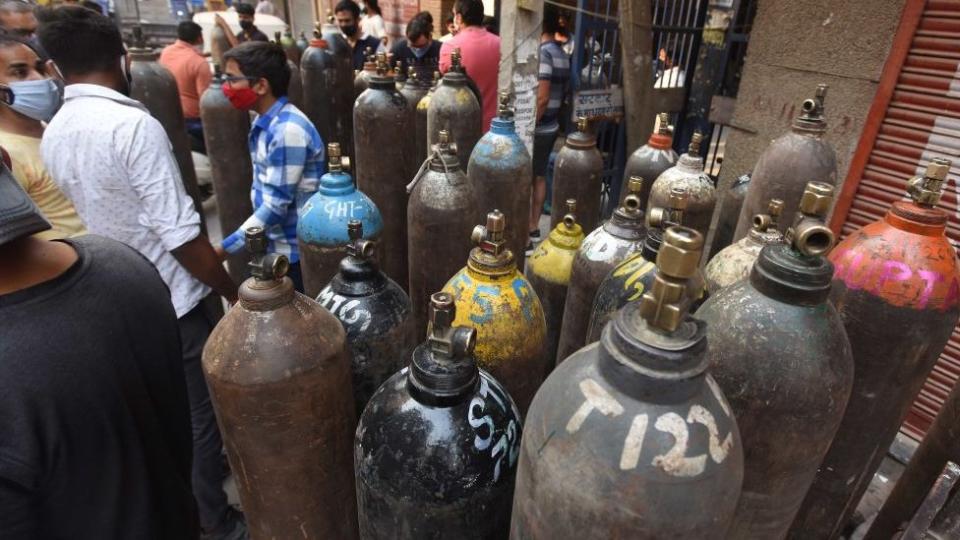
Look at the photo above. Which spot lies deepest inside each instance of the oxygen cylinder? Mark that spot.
(295, 85)
(493, 297)
(361, 81)
(896, 288)
(290, 47)
(154, 86)
(219, 44)
(779, 351)
(791, 161)
(413, 90)
(322, 226)
(501, 173)
(650, 160)
(454, 108)
(441, 213)
(603, 249)
(279, 376)
(225, 130)
(631, 437)
(302, 43)
(375, 313)
(423, 109)
(688, 174)
(576, 175)
(436, 449)
(728, 213)
(549, 272)
(380, 123)
(735, 261)
(326, 69)
(627, 281)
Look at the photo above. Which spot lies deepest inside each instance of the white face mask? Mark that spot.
(39, 99)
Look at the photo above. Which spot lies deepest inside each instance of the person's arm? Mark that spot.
(286, 156)
(445, 51)
(544, 74)
(170, 212)
(226, 30)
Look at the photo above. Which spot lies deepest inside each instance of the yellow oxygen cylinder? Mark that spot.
(492, 296)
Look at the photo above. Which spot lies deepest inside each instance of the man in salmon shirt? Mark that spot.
(185, 61)
(480, 53)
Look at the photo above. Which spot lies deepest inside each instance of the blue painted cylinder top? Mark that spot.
(323, 219)
(500, 148)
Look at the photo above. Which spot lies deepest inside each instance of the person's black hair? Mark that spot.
(80, 40)
(551, 19)
(418, 26)
(470, 10)
(427, 15)
(265, 60)
(374, 6)
(448, 20)
(244, 9)
(491, 24)
(348, 5)
(189, 31)
(93, 6)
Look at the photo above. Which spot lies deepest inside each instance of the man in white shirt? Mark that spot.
(114, 161)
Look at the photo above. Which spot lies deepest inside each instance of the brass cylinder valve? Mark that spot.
(583, 124)
(570, 218)
(695, 141)
(813, 108)
(668, 300)
(383, 67)
(336, 161)
(505, 110)
(264, 266)
(926, 190)
(358, 247)
(630, 208)
(445, 339)
(489, 238)
(768, 221)
(444, 146)
(808, 235)
(661, 218)
(455, 59)
(663, 123)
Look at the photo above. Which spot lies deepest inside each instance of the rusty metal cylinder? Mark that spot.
(548, 271)
(501, 171)
(454, 108)
(414, 90)
(734, 262)
(423, 110)
(326, 71)
(375, 313)
(436, 450)
(361, 80)
(779, 351)
(322, 226)
(154, 86)
(603, 249)
(284, 406)
(728, 213)
(493, 297)
(791, 161)
(940, 445)
(688, 175)
(632, 438)
(381, 127)
(225, 130)
(629, 280)
(650, 160)
(441, 214)
(896, 288)
(219, 44)
(577, 175)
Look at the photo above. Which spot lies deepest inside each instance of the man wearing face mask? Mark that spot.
(419, 50)
(249, 31)
(29, 97)
(184, 58)
(115, 163)
(348, 20)
(287, 152)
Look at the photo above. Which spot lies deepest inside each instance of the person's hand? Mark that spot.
(218, 20)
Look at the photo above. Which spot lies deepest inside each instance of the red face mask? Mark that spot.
(240, 98)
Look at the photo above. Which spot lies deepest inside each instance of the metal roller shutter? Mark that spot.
(915, 117)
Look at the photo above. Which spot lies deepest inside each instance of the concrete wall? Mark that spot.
(794, 45)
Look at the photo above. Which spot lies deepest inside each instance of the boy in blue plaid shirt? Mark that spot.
(285, 147)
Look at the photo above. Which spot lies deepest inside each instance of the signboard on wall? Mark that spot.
(604, 103)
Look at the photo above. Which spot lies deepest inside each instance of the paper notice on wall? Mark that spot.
(525, 107)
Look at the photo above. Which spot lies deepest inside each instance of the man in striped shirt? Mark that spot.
(554, 77)
(285, 147)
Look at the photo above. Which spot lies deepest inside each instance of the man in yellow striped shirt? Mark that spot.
(28, 97)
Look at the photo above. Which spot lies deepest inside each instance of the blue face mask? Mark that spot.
(39, 99)
(420, 52)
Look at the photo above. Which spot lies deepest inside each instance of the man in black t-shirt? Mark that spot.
(95, 438)
(419, 50)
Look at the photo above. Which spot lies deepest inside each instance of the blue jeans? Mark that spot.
(195, 133)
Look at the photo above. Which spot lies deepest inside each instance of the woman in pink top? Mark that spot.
(480, 53)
